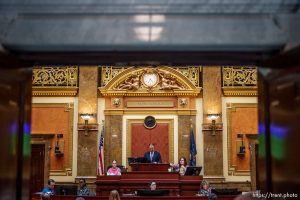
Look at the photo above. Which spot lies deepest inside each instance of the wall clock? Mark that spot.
(150, 79)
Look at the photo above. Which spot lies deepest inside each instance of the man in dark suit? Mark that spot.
(152, 156)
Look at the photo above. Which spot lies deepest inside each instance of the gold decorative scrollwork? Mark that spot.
(150, 81)
(239, 76)
(239, 81)
(131, 83)
(109, 72)
(193, 73)
(55, 76)
(55, 80)
(169, 82)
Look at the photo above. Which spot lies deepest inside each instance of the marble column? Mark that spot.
(87, 103)
(212, 104)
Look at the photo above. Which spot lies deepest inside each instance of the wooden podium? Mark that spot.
(150, 167)
(129, 182)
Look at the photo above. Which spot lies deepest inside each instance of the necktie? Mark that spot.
(151, 155)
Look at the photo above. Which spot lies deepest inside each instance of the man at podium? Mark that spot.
(152, 156)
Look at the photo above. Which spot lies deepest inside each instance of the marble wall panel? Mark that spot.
(87, 96)
(184, 130)
(243, 119)
(112, 139)
(213, 144)
(87, 153)
(54, 119)
(87, 103)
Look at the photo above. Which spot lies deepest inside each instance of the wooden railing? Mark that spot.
(71, 197)
(129, 182)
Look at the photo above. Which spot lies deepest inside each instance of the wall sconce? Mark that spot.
(86, 118)
(240, 147)
(59, 146)
(213, 118)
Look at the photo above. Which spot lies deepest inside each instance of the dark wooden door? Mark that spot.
(37, 167)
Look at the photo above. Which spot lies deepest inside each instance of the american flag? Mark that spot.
(101, 159)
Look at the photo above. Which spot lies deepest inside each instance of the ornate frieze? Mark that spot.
(55, 81)
(239, 81)
(193, 73)
(109, 72)
(150, 81)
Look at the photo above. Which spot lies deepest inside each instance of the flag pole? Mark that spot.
(100, 170)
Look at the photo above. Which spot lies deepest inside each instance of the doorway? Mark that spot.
(37, 167)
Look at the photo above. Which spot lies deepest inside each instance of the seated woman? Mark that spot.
(114, 170)
(180, 167)
(205, 190)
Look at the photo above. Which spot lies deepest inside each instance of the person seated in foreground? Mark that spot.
(48, 190)
(180, 167)
(79, 198)
(152, 156)
(114, 195)
(246, 196)
(83, 190)
(205, 190)
(152, 191)
(153, 185)
(114, 170)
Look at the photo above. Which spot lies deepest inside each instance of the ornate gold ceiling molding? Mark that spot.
(240, 91)
(150, 81)
(49, 91)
